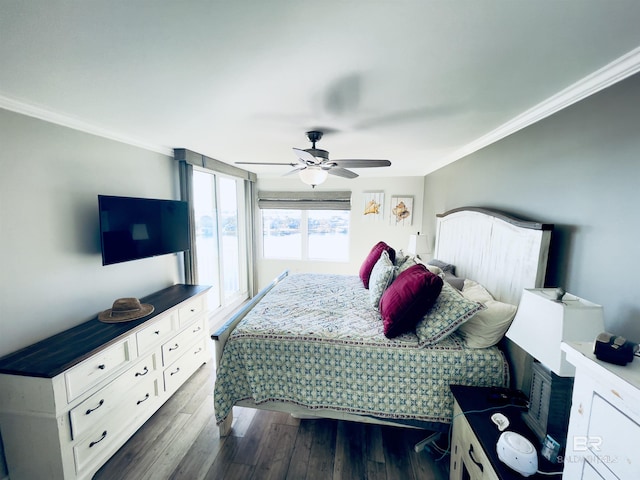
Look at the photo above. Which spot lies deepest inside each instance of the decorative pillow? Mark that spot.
(432, 268)
(455, 282)
(435, 270)
(445, 267)
(381, 277)
(487, 327)
(408, 298)
(403, 264)
(372, 258)
(449, 311)
(400, 258)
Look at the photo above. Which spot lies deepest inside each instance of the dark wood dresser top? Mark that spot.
(52, 356)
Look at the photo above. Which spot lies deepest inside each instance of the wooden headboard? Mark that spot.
(503, 253)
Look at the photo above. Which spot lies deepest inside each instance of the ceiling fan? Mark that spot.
(314, 165)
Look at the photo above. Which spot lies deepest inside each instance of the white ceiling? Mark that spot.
(419, 82)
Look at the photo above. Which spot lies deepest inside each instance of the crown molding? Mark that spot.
(612, 73)
(30, 110)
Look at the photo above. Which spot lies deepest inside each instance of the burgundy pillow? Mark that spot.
(408, 298)
(372, 258)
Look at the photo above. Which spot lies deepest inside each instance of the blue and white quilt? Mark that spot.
(315, 340)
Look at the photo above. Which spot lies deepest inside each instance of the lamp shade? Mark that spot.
(542, 323)
(313, 175)
(418, 244)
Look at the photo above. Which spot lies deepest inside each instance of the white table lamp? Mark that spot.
(418, 245)
(541, 324)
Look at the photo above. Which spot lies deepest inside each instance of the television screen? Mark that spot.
(133, 228)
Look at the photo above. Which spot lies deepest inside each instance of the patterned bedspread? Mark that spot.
(314, 340)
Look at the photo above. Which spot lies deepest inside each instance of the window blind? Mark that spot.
(337, 200)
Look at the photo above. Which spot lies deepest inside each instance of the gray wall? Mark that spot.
(51, 273)
(578, 169)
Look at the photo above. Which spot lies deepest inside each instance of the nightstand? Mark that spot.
(474, 436)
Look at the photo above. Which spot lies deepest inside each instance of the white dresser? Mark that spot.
(603, 441)
(69, 402)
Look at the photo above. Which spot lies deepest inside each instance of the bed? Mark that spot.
(314, 345)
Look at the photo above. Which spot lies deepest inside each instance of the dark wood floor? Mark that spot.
(181, 442)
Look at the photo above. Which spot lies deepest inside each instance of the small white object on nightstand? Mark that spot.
(518, 453)
(500, 420)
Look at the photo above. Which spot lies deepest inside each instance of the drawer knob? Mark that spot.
(197, 329)
(157, 332)
(175, 347)
(197, 351)
(192, 310)
(104, 434)
(173, 373)
(95, 408)
(146, 397)
(480, 466)
(102, 366)
(144, 372)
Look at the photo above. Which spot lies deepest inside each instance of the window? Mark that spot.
(321, 235)
(328, 235)
(231, 235)
(281, 235)
(218, 203)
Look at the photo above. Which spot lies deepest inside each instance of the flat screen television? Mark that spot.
(134, 228)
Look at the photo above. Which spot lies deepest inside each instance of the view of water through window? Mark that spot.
(306, 234)
(216, 212)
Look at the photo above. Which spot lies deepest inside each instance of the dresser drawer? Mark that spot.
(95, 369)
(468, 459)
(156, 333)
(83, 417)
(191, 309)
(181, 370)
(113, 429)
(174, 348)
(475, 460)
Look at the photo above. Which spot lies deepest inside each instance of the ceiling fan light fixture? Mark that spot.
(313, 176)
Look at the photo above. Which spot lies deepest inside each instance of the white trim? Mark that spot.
(47, 115)
(618, 70)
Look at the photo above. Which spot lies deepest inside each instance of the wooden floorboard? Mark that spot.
(200, 455)
(181, 442)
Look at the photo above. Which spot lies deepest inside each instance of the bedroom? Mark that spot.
(576, 169)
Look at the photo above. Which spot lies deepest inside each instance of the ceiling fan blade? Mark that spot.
(342, 172)
(266, 163)
(297, 169)
(305, 156)
(361, 163)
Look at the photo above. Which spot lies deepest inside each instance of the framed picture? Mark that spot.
(401, 211)
(373, 208)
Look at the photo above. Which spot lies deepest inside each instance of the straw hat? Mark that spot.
(125, 310)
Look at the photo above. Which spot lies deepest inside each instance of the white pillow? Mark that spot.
(488, 326)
